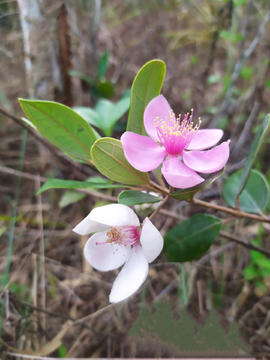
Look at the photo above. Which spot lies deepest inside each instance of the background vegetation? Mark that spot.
(86, 54)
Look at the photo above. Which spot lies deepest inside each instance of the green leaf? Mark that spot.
(246, 72)
(263, 263)
(80, 75)
(110, 113)
(88, 114)
(70, 197)
(109, 158)
(255, 195)
(252, 154)
(236, 3)
(187, 194)
(62, 126)
(74, 184)
(132, 197)
(192, 238)
(213, 79)
(146, 85)
(102, 88)
(267, 83)
(250, 272)
(105, 115)
(103, 64)
(231, 36)
(62, 351)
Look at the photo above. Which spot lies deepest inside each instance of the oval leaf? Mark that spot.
(253, 198)
(62, 126)
(70, 197)
(192, 238)
(110, 113)
(109, 158)
(74, 184)
(255, 146)
(187, 194)
(88, 114)
(105, 115)
(146, 85)
(132, 197)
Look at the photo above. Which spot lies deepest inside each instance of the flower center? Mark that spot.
(121, 235)
(175, 135)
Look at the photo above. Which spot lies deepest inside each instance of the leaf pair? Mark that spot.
(105, 115)
(67, 130)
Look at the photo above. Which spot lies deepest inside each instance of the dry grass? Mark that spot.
(53, 299)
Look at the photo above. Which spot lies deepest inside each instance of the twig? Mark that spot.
(42, 253)
(221, 233)
(247, 128)
(171, 214)
(203, 260)
(30, 130)
(159, 208)
(219, 26)
(25, 175)
(237, 213)
(38, 137)
(159, 188)
(53, 314)
(98, 312)
(243, 243)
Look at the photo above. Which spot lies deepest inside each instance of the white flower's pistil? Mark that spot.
(176, 136)
(122, 235)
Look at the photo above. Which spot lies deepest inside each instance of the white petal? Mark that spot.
(108, 215)
(87, 226)
(131, 276)
(107, 256)
(115, 215)
(151, 240)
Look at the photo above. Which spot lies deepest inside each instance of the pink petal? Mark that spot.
(108, 215)
(151, 240)
(157, 107)
(142, 152)
(131, 276)
(105, 257)
(179, 175)
(204, 139)
(208, 161)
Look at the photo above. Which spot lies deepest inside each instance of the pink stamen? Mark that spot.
(175, 135)
(101, 243)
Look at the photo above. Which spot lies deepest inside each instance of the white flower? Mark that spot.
(119, 239)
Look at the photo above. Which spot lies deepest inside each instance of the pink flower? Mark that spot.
(119, 239)
(176, 144)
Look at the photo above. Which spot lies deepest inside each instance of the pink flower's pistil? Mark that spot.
(122, 235)
(176, 136)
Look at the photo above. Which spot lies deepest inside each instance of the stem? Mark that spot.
(243, 243)
(159, 208)
(159, 188)
(234, 212)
